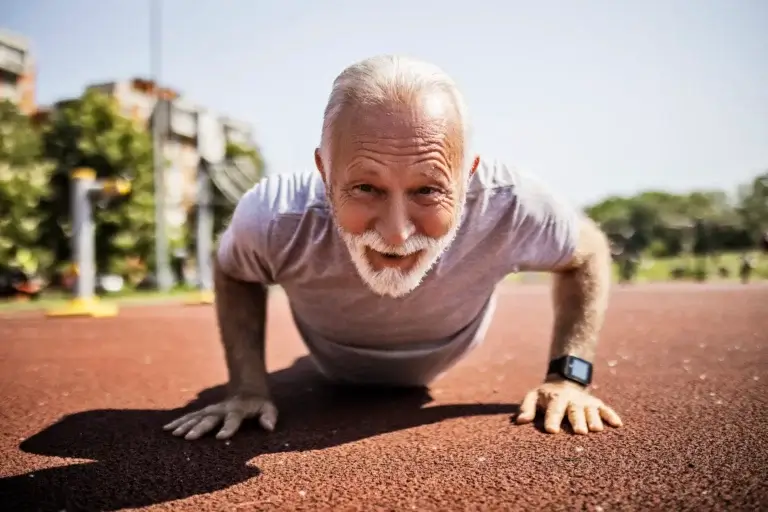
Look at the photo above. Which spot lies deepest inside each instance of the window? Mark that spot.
(9, 91)
(11, 58)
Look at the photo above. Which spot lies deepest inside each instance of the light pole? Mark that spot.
(162, 258)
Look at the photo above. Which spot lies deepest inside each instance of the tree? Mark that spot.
(704, 222)
(753, 207)
(91, 132)
(24, 184)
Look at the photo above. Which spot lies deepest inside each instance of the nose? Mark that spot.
(394, 224)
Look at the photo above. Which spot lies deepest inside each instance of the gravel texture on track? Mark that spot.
(686, 366)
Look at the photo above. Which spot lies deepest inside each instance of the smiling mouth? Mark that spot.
(392, 260)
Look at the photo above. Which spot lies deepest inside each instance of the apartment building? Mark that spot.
(137, 98)
(17, 71)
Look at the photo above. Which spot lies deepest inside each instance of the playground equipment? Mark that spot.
(84, 191)
(232, 178)
(211, 146)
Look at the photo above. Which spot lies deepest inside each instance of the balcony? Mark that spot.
(11, 60)
(236, 131)
(183, 122)
(176, 119)
(238, 137)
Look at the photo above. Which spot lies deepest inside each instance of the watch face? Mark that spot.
(579, 369)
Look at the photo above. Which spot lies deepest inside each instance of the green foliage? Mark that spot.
(661, 224)
(24, 183)
(753, 206)
(91, 132)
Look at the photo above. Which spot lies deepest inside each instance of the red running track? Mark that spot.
(686, 366)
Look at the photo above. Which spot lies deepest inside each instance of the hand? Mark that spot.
(558, 398)
(231, 411)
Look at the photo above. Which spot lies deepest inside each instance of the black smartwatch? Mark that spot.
(572, 368)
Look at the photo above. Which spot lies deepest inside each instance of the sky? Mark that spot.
(596, 97)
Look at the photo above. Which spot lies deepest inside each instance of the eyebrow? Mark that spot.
(362, 172)
(435, 174)
(431, 173)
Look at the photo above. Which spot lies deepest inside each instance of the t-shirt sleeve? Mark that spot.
(544, 227)
(244, 247)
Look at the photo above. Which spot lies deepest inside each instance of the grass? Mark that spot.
(122, 298)
(655, 270)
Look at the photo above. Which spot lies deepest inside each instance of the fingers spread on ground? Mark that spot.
(527, 411)
(203, 427)
(593, 419)
(610, 416)
(268, 418)
(577, 419)
(186, 426)
(554, 415)
(231, 425)
(179, 421)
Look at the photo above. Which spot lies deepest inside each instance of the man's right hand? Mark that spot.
(231, 411)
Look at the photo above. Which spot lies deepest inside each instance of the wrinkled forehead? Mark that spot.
(401, 130)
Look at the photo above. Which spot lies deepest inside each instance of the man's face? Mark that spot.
(397, 190)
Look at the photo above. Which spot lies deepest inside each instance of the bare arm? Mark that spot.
(241, 312)
(580, 295)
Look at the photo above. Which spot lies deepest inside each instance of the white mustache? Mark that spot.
(413, 245)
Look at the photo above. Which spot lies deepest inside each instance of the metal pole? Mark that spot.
(83, 233)
(83, 189)
(204, 229)
(162, 258)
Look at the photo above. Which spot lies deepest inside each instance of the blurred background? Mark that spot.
(651, 116)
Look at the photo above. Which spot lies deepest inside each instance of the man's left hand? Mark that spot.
(560, 398)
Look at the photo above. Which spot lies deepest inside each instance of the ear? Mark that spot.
(319, 165)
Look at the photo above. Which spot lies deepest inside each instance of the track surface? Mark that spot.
(83, 402)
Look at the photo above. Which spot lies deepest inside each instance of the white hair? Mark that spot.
(383, 79)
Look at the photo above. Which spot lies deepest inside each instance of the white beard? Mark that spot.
(394, 281)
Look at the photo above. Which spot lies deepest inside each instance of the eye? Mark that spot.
(426, 191)
(365, 188)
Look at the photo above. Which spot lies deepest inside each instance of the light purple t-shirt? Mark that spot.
(282, 233)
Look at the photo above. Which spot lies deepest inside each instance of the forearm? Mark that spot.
(580, 295)
(241, 311)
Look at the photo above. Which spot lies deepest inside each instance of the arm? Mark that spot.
(241, 274)
(241, 312)
(580, 295)
(548, 234)
(551, 236)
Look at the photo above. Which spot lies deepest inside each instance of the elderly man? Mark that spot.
(390, 255)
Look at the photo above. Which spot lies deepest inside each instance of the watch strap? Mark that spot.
(564, 367)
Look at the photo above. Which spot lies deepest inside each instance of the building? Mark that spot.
(137, 98)
(238, 131)
(17, 72)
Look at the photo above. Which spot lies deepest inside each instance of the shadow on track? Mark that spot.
(137, 464)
